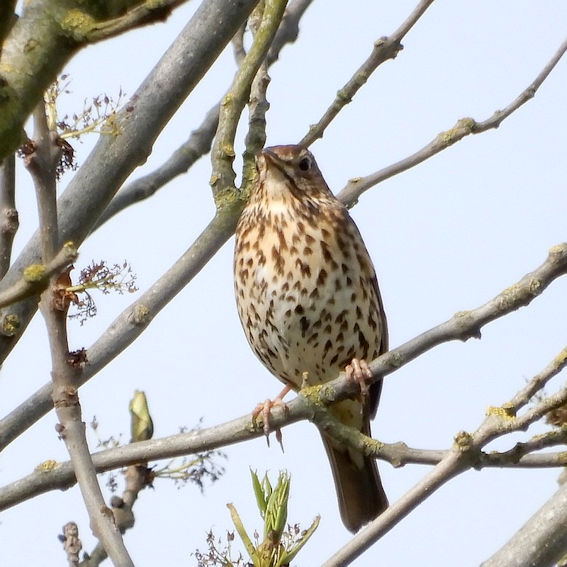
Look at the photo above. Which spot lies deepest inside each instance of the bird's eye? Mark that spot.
(305, 164)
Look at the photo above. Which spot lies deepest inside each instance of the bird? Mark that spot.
(309, 303)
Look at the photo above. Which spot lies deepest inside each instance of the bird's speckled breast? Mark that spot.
(303, 298)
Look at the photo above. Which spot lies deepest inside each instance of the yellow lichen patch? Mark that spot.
(535, 286)
(313, 393)
(10, 325)
(77, 24)
(463, 318)
(559, 249)
(70, 248)
(463, 441)
(501, 411)
(509, 296)
(371, 446)
(561, 358)
(47, 466)
(228, 150)
(34, 272)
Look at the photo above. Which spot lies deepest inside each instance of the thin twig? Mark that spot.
(384, 49)
(463, 127)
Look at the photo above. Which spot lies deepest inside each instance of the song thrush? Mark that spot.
(309, 304)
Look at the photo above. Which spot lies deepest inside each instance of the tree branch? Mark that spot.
(307, 405)
(9, 221)
(385, 48)
(36, 277)
(222, 153)
(464, 127)
(148, 12)
(541, 541)
(461, 457)
(201, 139)
(42, 164)
(139, 123)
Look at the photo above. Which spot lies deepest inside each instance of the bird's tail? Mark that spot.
(358, 485)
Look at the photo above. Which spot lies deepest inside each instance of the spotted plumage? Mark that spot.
(309, 302)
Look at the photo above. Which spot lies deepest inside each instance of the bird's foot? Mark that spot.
(263, 411)
(357, 371)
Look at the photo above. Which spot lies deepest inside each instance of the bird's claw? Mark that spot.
(263, 411)
(358, 371)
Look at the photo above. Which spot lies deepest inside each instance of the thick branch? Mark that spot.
(139, 122)
(41, 41)
(542, 540)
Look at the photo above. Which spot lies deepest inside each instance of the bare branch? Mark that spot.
(308, 403)
(222, 154)
(52, 475)
(201, 139)
(464, 127)
(9, 222)
(385, 48)
(140, 122)
(541, 541)
(462, 456)
(36, 277)
(130, 324)
(42, 164)
(148, 12)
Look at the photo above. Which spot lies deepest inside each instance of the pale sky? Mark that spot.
(446, 236)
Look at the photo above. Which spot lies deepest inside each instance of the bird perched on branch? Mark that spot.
(310, 306)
